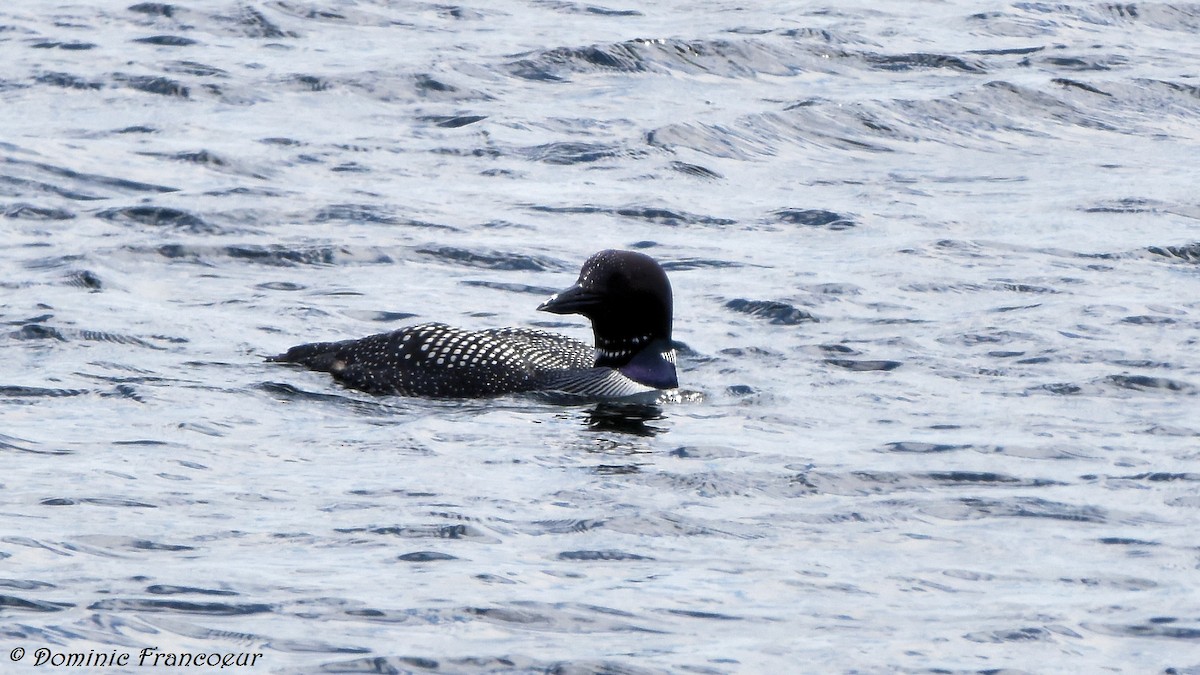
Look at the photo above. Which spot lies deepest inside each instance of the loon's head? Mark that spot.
(628, 298)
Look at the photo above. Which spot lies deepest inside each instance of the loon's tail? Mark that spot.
(320, 356)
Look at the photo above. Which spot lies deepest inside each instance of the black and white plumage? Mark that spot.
(625, 294)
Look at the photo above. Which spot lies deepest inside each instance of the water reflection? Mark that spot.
(626, 418)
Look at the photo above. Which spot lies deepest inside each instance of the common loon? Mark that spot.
(625, 294)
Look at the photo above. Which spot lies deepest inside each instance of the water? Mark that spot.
(935, 269)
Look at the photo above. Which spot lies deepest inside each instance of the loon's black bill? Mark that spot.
(574, 300)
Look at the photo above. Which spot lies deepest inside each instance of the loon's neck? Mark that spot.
(643, 359)
(614, 352)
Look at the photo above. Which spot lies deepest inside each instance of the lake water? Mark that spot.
(937, 275)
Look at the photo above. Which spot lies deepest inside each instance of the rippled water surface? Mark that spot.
(937, 273)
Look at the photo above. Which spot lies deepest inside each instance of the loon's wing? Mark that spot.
(431, 359)
(545, 349)
(441, 361)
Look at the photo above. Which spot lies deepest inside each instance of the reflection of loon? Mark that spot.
(625, 294)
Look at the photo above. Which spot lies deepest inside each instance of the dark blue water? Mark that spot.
(935, 270)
